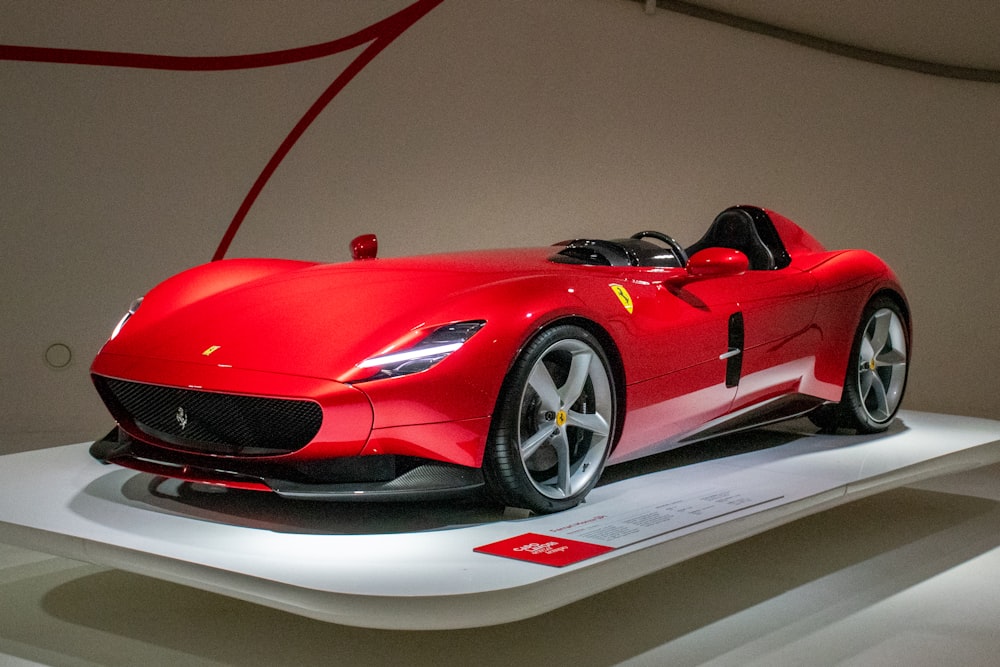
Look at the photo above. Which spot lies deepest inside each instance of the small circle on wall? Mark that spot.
(58, 355)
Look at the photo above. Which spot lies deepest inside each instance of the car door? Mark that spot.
(681, 338)
(777, 308)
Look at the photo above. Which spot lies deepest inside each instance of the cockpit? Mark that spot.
(744, 228)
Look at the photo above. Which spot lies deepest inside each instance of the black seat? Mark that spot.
(734, 228)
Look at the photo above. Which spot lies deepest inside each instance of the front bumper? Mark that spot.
(378, 477)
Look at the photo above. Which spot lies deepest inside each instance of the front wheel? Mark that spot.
(876, 376)
(554, 423)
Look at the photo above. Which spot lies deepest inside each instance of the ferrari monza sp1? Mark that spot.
(524, 370)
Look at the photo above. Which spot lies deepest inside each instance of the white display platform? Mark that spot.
(413, 566)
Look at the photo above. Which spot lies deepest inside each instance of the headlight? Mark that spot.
(125, 318)
(423, 353)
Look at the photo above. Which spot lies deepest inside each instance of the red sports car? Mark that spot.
(523, 370)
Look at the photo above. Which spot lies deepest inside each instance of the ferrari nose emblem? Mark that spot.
(561, 418)
(181, 417)
(210, 350)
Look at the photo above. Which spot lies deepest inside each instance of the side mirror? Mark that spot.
(364, 247)
(717, 262)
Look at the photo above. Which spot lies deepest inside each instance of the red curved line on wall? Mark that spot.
(392, 28)
(317, 107)
(40, 54)
(380, 34)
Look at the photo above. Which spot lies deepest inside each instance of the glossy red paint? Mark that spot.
(364, 247)
(458, 442)
(716, 262)
(299, 330)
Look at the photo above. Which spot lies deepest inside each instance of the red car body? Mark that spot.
(693, 350)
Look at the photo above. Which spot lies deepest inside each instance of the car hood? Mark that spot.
(315, 320)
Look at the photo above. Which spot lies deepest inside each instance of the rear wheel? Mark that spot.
(876, 376)
(554, 423)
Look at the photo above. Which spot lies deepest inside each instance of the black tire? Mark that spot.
(554, 423)
(876, 373)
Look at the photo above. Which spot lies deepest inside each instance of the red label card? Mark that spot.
(544, 549)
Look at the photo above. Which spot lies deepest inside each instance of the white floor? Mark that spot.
(908, 576)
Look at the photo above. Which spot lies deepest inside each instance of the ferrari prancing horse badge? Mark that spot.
(622, 295)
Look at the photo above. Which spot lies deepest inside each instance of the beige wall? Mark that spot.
(487, 124)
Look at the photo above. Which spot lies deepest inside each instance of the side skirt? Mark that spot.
(753, 416)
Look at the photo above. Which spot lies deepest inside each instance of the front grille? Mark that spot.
(213, 423)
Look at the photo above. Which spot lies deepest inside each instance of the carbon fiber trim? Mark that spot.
(388, 478)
